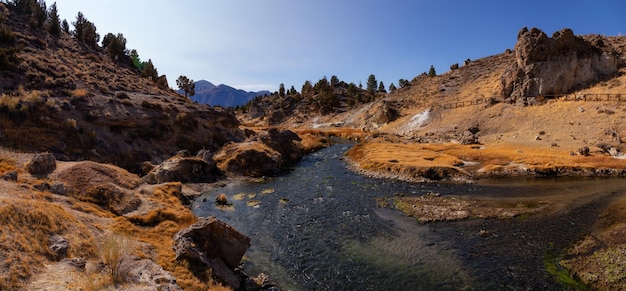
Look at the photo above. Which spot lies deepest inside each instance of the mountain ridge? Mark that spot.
(222, 95)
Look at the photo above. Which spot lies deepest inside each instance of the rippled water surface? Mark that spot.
(318, 228)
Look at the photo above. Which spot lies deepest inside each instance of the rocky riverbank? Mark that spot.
(100, 226)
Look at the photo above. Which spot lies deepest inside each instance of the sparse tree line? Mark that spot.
(85, 31)
(325, 96)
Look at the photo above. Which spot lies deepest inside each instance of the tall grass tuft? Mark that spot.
(115, 253)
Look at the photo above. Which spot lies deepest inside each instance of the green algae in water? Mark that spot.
(560, 274)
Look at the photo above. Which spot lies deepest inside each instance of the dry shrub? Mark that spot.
(79, 93)
(25, 231)
(9, 102)
(71, 123)
(115, 252)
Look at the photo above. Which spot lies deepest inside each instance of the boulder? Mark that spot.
(183, 168)
(42, 164)
(214, 244)
(555, 65)
(10, 176)
(59, 246)
(252, 159)
(266, 154)
(151, 275)
(282, 141)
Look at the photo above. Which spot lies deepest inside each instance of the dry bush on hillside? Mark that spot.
(79, 93)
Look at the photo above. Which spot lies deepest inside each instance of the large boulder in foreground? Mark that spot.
(266, 154)
(558, 64)
(183, 168)
(214, 244)
(107, 186)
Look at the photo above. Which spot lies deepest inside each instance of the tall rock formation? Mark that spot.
(558, 64)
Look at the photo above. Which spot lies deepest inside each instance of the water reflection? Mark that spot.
(318, 228)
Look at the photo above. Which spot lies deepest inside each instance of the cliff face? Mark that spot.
(558, 64)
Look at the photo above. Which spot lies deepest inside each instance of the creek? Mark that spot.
(319, 228)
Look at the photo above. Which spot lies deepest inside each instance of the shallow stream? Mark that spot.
(318, 228)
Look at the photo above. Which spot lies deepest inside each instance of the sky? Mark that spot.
(259, 44)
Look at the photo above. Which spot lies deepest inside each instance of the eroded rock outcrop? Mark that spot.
(184, 168)
(214, 244)
(556, 65)
(264, 154)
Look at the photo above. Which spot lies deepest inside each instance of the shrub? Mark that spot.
(6, 35)
(79, 93)
(71, 123)
(9, 102)
(8, 58)
(116, 251)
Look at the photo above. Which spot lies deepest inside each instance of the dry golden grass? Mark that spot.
(413, 159)
(26, 228)
(7, 165)
(157, 229)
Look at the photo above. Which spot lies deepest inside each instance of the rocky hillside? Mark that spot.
(62, 96)
(537, 68)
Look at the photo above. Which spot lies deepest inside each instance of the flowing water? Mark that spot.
(318, 228)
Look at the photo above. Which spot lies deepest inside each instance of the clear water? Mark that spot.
(318, 228)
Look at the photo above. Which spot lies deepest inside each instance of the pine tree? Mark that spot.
(85, 31)
(116, 46)
(307, 89)
(381, 87)
(134, 58)
(281, 90)
(187, 85)
(432, 72)
(149, 71)
(54, 23)
(392, 88)
(65, 26)
(371, 84)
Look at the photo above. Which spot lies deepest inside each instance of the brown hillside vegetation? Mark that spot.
(86, 221)
(74, 100)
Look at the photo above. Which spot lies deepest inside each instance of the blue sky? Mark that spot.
(258, 44)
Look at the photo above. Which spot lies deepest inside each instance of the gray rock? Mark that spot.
(214, 244)
(10, 176)
(58, 188)
(59, 246)
(148, 273)
(183, 169)
(557, 64)
(42, 164)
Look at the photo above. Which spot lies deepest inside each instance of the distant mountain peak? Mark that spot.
(222, 95)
